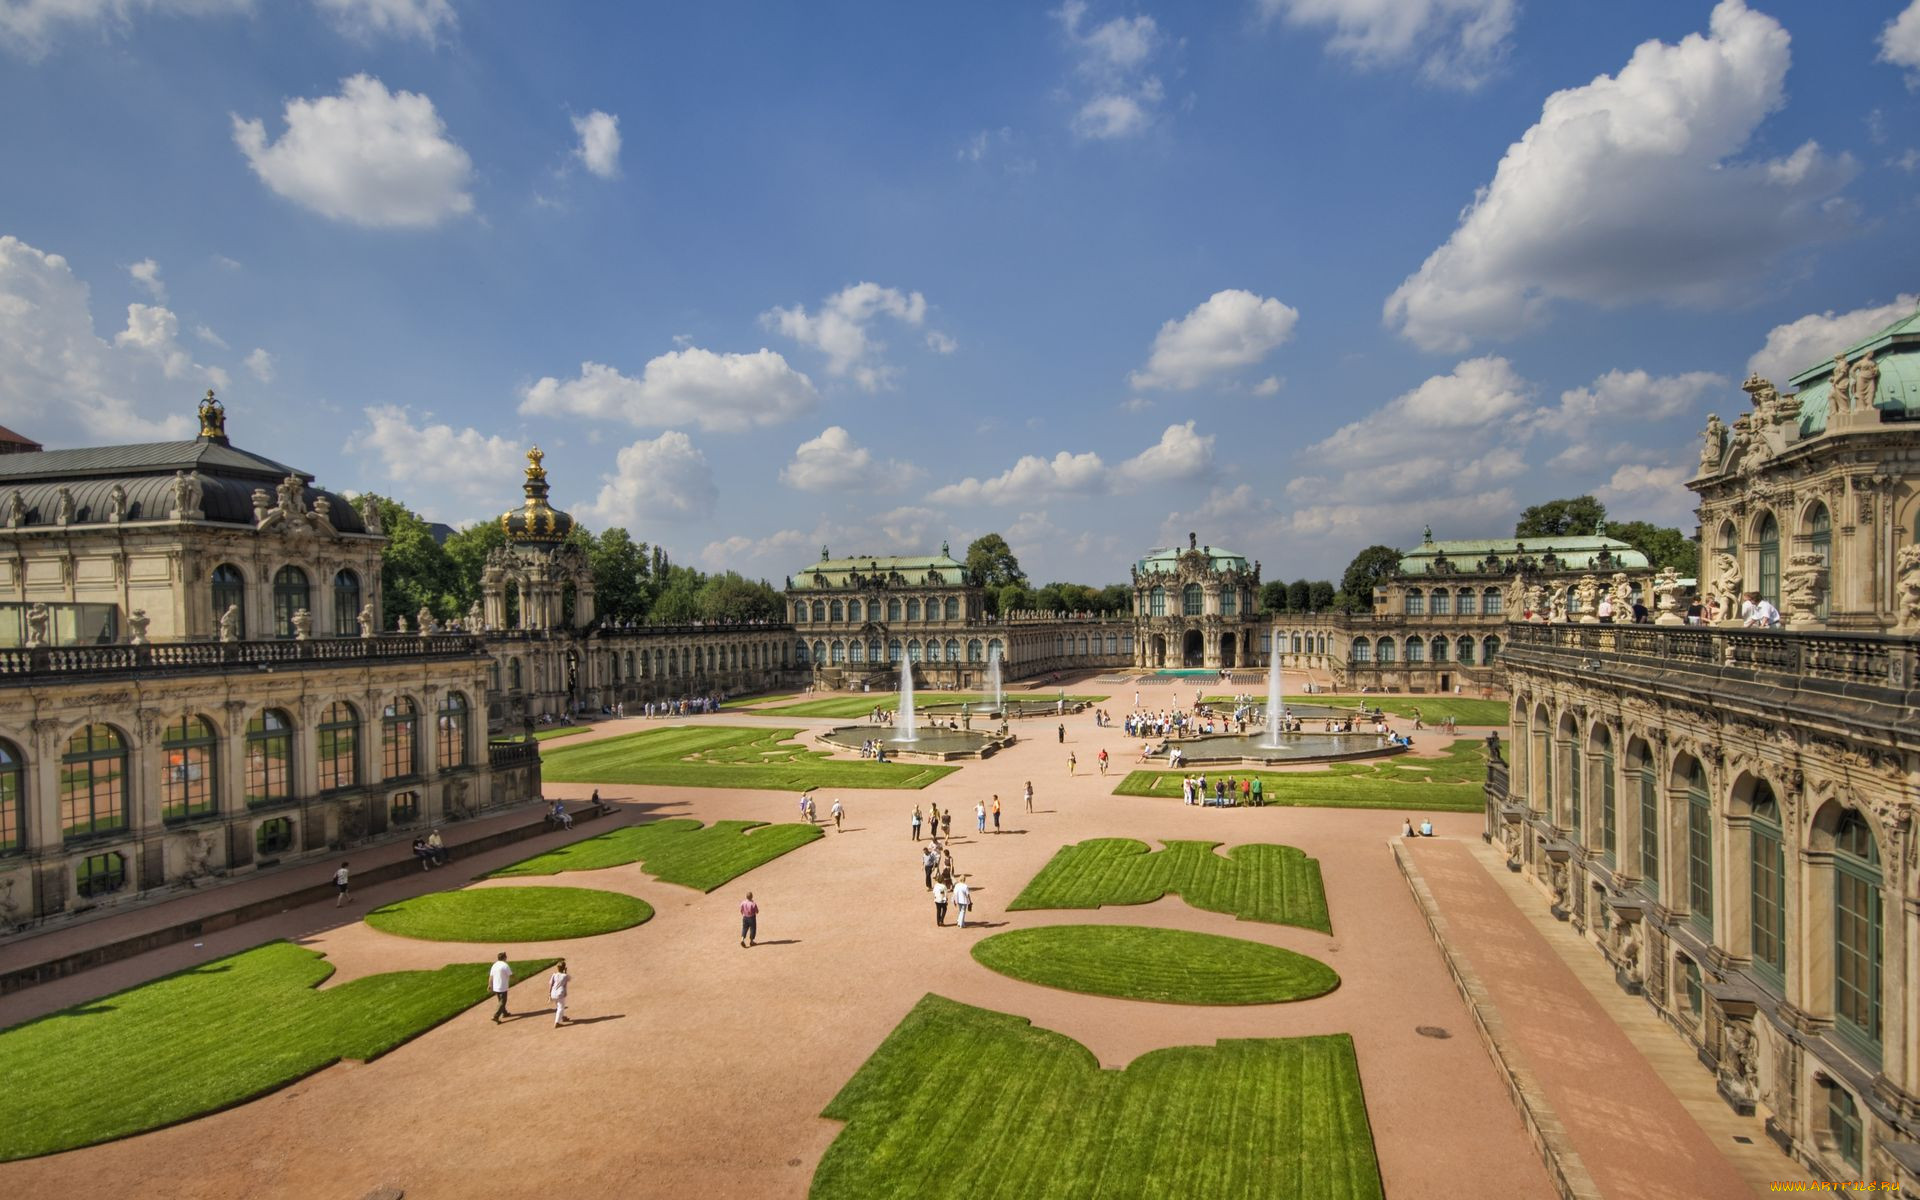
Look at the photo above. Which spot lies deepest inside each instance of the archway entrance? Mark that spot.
(1157, 655)
(1227, 648)
(1193, 649)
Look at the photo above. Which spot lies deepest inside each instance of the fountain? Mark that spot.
(1275, 708)
(908, 731)
(993, 680)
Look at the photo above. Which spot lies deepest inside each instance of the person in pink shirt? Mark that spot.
(749, 921)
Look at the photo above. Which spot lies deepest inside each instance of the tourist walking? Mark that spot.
(979, 817)
(499, 979)
(1103, 761)
(996, 812)
(749, 921)
(939, 902)
(1072, 762)
(962, 900)
(805, 801)
(1029, 796)
(341, 887)
(1063, 734)
(916, 822)
(928, 862)
(946, 825)
(557, 992)
(837, 812)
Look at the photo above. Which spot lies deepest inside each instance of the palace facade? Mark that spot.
(1197, 608)
(1727, 812)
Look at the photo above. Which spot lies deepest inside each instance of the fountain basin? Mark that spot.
(1251, 749)
(1015, 707)
(938, 745)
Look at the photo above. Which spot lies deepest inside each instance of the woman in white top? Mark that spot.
(557, 991)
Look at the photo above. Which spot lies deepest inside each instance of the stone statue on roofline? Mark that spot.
(1864, 380)
(137, 622)
(1715, 445)
(230, 624)
(1838, 396)
(16, 510)
(302, 621)
(366, 619)
(39, 616)
(370, 513)
(186, 496)
(117, 503)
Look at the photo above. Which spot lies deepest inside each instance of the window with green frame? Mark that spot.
(339, 736)
(1820, 538)
(1519, 780)
(1767, 535)
(1699, 850)
(1649, 827)
(190, 784)
(274, 837)
(93, 782)
(1575, 773)
(404, 809)
(100, 874)
(1543, 754)
(269, 758)
(13, 799)
(452, 747)
(1857, 930)
(1191, 600)
(399, 745)
(1843, 1124)
(1768, 875)
(1609, 818)
(1693, 988)
(290, 595)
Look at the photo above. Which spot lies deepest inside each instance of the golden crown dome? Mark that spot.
(535, 522)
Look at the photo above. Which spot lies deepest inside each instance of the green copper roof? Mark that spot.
(1896, 351)
(1167, 559)
(1573, 553)
(862, 569)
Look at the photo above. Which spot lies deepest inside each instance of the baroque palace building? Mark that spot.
(1727, 812)
(1438, 620)
(192, 682)
(1198, 608)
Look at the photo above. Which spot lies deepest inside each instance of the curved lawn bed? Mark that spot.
(511, 914)
(1172, 966)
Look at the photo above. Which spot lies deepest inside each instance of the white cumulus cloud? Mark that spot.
(1900, 41)
(30, 27)
(1815, 338)
(370, 19)
(1629, 396)
(1476, 395)
(842, 329)
(665, 478)
(1228, 330)
(599, 148)
(437, 463)
(1456, 42)
(715, 392)
(367, 156)
(1179, 454)
(834, 462)
(1629, 189)
(146, 273)
(1654, 492)
(1117, 95)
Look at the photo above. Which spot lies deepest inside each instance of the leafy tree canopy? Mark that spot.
(992, 565)
(1664, 546)
(1274, 597)
(1369, 568)
(1578, 516)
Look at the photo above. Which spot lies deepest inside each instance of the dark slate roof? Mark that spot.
(142, 458)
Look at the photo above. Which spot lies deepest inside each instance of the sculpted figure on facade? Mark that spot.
(1516, 597)
(425, 619)
(16, 510)
(474, 617)
(1666, 590)
(1838, 396)
(1588, 590)
(1726, 583)
(1906, 588)
(1802, 584)
(1864, 381)
(1740, 1058)
(63, 507)
(38, 617)
(366, 619)
(1556, 612)
(230, 624)
(1622, 592)
(117, 503)
(1715, 444)
(186, 496)
(302, 622)
(399, 624)
(370, 513)
(262, 508)
(137, 622)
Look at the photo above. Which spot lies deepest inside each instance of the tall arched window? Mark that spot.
(995, 650)
(1416, 602)
(1465, 607)
(1383, 650)
(230, 592)
(346, 604)
(856, 651)
(853, 610)
(893, 610)
(819, 610)
(953, 649)
(1609, 817)
(1228, 601)
(1649, 824)
(1541, 797)
(975, 651)
(513, 674)
(290, 595)
(913, 650)
(1416, 650)
(1820, 536)
(800, 652)
(400, 738)
(1157, 602)
(1491, 602)
(913, 610)
(1843, 1125)
(1440, 604)
(953, 608)
(1567, 747)
(1857, 925)
(893, 650)
(13, 799)
(269, 769)
(189, 774)
(1767, 580)
(839, 652)
(339, 746)
(819, 651)
(1768, 874)
(93, 782)
(1191, 601)
(835, 612)
(1362, 650)
(1463, 651)
(1699, 850)
(1489, 650)
(1440, 650)
(452, 748)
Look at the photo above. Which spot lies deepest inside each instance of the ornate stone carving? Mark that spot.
(1802, 584)
(1714, 447)
(38, 617)
(366, 620)
(137, 622)
(1588, 589)
(399, 624)
(1621, 592)
(474, 617)
(425, 618)
(186, 496)
(63, 507)
(16, 510)
(1864, 382)
(230, 624)
(1739, 1060)
(302, 625)
(1666, 590)
(1726, 584)
(370, 513)
(1906, 588)
(1838, 397)
(116, 503)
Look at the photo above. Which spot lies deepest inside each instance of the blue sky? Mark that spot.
(1298, 275)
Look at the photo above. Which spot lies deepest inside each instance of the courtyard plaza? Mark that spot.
(701, 1068)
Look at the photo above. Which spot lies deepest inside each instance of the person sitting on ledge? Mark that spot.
(1426, 827)
(437, 848)
(1406, 829)
(421, 852)
(561, 816)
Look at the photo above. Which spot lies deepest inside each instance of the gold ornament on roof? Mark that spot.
(536, 521)
(213, 419)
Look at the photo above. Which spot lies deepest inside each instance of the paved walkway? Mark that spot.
(1622, 1090)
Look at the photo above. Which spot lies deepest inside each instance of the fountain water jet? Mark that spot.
(1274, 706)
(907, 730)
(993, 680)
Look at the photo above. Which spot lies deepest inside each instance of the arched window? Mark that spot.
(975, 652)
(1541, 798)
(93, 782)
(913, 650)
(1843, 1125)
(1517, 781)
(913, 610)
(996, 650)
(953, 608)
(1573, 771)
(290, 595)
(1649, 823)
(1465, 607)
(230, 592)
(1857, 930)
(853, 610)
(1767, 872)
(1229, 598)
(275, 836)
(819, 651)
(839, 651)
(1416, 650)
(1820, 536)
(1190, 600)
(630, 675)
(269, 770)
(1416, 602)
(1609, 818)
(893, 650)
(346, 604)
(513, 674)
(339, 746)
(856, 652)
(1767, 578)
(835, 612)
(189, 771)
(400, 739)
(1441, 650)
(953, 650)
(1491, 602)
(1489, 650)
(800, 613)
(893, 610)
(1157, 602)
(454, 718)
(1383, 650)
(100, 874)
(800, 652)
(1296, 643)
(819, 610)
(13, 799)
(1699, 850)
(1362, 650)
(1463, 651)
(1440, 603)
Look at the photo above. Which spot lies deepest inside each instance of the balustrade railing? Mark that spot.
(42, 664)
(1864, 659)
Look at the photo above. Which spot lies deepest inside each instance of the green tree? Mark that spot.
(1369, 568)
(620, 576)
(733, 597)
(1114, 598)
(415, 570)
(1321, 597)
(1300, 596)
(1663, 545)
(1274, 597)
(1578, 516)
(992, 565)
(678, 599)
(467, 551)
(1011, 597)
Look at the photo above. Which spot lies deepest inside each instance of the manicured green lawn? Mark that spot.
(547, 735)
(1464, 709)
(1450, 784)
(860, 706)
(209, 1038)
(1169, 965)
(677, 850)
(511, 914)
(963, 1102)
(1257, 882)
(723, 757)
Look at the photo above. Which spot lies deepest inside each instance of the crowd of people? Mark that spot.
(1228, 792)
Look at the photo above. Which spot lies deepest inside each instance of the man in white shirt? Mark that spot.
(962, 900)
(557, 992)
(1758, 612)
(939, 902)
(499, 979)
